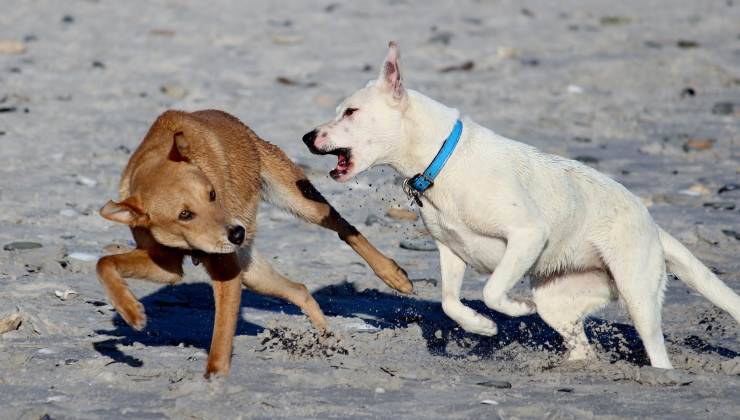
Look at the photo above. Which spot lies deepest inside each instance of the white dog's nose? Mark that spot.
(309, 138)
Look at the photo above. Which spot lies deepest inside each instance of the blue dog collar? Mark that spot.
(416, 185)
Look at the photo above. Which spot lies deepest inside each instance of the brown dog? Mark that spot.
(192, 188)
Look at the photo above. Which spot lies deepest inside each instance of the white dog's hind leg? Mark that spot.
(564, 301)
(453, 270)
(640, 277)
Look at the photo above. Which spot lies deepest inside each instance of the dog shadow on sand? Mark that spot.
(183, 313)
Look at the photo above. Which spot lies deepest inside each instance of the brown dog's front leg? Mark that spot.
(138, 263)
(385, 268)
(227, 291)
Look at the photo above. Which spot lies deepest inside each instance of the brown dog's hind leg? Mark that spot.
(261, 278)
(112, 269)
(225, 272)
(286, 186)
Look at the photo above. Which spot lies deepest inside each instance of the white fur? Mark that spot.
(506, 208)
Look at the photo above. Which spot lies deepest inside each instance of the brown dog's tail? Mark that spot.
(286, 186)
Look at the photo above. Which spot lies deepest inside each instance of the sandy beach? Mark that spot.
(645, 91)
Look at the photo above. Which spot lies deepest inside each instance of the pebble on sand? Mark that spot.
(162, 32)
(464, 66)
(401, 214)
(574, 89)
(614, 20)
(9, 46)
(687, 43)
(20, 246)
(587, 159)
(68, 213)
(493, 383)
(723, 108)
(505, 53)
(728, 187)
(731, 233)
(10, 323)
(287, 39)
(173, 91)
(324, 101)
(652, 149)
(696, 190)
(287, 81)
(720, 205)
(418, 245)
(693, 145)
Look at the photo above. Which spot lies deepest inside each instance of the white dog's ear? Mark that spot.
(390, 73)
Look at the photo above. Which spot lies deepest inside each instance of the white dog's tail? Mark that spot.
(691, 271)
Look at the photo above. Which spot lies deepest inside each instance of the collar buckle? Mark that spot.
(411, 192)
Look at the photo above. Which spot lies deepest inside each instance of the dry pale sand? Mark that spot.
(631, 87)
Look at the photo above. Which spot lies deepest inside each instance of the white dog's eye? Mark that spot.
(349, 111)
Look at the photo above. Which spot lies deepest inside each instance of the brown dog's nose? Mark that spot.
(236, 235)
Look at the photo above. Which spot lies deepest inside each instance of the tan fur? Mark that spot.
(210, 165)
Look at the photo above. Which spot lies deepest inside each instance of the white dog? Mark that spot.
(508, 209)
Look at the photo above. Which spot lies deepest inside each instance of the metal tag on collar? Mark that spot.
(411, 192)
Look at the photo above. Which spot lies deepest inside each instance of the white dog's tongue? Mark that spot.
(342, 161)
(342, 165)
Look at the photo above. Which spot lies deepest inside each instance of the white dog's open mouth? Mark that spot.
(344, 162)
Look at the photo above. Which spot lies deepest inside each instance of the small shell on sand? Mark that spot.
(64, 295)
(83, 256)
(88, 182)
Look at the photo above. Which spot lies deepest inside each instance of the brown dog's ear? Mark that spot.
(193, 140)
(390, 73)
(128, 212)
(180, 151)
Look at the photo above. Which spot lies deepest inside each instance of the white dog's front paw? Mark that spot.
(524, 306)
(513, 307)
(481, 326)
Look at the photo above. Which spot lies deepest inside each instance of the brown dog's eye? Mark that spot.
(212, 195)
(186, 215)
(349, 111)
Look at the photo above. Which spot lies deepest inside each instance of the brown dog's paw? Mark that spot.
(215, 371)
(395, 277)
(131, 310)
